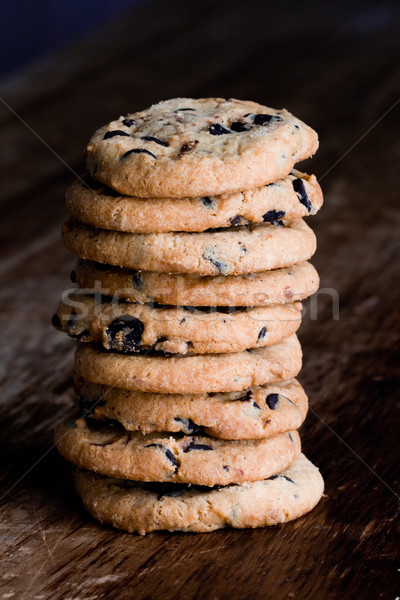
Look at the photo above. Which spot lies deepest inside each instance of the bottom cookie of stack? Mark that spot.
(142, 508)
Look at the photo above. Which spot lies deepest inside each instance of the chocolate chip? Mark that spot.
(111, 134)
(287, 478)
(137, 280)
(290, 437)
(209, 254)
(189, 427)
(298, 186)
(244, 398)
(171, 457)
(272, 400)
(256, 405)
(150, 138)
(218, 129)
(288, 293)
(219, 265)
(129, 122)
(187, 147)
(226, 468)
(208, 202)
(235, 220)
(137, 151)
(168, 453)
(183, 109)
(283, 477)
(240, 126)
(265, 119)
(56, 321)
(72, 276)
(194, 446)
(262, 333)
(273, 215)
(131, 330)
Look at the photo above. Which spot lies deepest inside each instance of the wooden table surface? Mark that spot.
(338, 68)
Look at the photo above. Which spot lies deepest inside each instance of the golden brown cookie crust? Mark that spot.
(297, 195)
(200, 460)
(197, 151)
(129, 327)
(135, 508)
(190, 374)
(279, 286)
(257, 412)
(232, 251)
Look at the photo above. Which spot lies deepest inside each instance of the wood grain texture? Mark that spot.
(336, 67)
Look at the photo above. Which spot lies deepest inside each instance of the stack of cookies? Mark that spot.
(192, 267)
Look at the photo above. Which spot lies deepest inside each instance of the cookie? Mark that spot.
(257, 412)
(190, 374)
(129, 327)
(230, 251)
(186, 147)
(142, 508)
(279, 286)
(297, 195)
(110, 450)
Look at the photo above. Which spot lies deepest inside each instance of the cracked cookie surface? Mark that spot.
(196, 147)
(257, 412)
(111, 450)
(129, 327)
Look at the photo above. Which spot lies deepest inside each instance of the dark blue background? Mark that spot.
(30, 28)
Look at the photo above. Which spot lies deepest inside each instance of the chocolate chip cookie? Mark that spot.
(196, 147)
(190, 374)
(129, 327)
(111, 450)
(230, 251)
(297, 195)
(142, 508)
(256, 412)
(279, 286)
